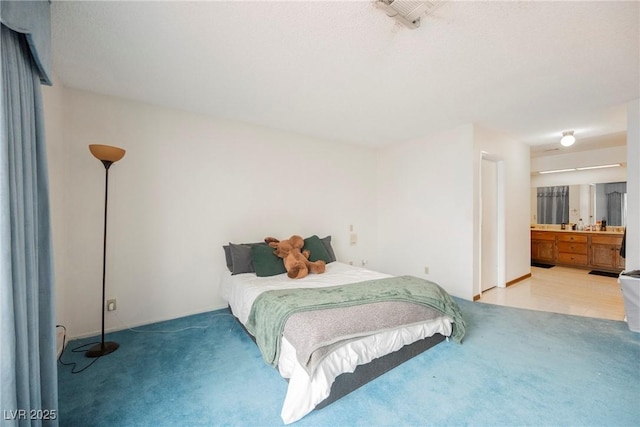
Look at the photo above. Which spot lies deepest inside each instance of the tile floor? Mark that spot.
(562, 290)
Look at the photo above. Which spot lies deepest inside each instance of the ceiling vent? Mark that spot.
(408, 12)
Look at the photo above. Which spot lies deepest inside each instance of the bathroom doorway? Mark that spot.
(492, 223)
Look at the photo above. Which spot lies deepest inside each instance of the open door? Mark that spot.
(492, 223)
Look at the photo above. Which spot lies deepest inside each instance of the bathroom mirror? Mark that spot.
(589, 202)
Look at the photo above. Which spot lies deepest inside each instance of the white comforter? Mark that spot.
(305, 391)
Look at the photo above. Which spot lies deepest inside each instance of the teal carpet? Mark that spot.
(515, 368)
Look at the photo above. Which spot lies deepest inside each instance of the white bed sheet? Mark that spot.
(241, 290)
(305, 392)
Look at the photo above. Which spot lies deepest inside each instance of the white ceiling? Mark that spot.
(345, 71)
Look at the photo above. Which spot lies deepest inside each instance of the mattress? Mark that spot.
(306, 391)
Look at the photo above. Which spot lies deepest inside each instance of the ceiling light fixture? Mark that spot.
(556, 171)
(599, 167)
(613, 165)
(408, 12)
(567, 138)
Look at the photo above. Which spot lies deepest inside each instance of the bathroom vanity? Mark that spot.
(595, 250)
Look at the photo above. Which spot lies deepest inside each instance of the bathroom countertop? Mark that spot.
(558, 230)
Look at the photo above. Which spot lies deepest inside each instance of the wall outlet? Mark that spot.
(426, 270)
(111, 305)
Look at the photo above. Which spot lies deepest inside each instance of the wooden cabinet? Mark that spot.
(605, 252)
(621, 262)
(572, 249)
(594, 250)
(543, 246)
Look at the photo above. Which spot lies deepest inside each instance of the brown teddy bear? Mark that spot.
(296, 262)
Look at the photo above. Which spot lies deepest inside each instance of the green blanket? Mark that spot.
(271, 309)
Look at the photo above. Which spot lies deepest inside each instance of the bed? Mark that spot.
(323, 363)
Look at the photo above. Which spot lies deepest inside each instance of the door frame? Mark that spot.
(500, 221)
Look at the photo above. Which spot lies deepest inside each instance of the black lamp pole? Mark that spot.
(107, 156)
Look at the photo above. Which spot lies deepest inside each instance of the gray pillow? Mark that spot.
(327, 244)
(227, 257)
(241, 257)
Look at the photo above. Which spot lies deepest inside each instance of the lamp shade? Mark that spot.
(106, 152)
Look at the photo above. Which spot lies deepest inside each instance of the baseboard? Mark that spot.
(124, 326)
(509, 283)
(518, 279)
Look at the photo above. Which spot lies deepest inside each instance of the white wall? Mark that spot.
(516, 158)
(425, 209)
(187, 185)
(580, 159)
(428, 207)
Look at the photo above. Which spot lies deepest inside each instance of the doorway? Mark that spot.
(492, 223)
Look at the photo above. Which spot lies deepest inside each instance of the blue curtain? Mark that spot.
(553, 205)
(33, 19)
(28, 375)
(615, 192)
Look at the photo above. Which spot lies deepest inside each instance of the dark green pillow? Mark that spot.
(265, 262)
(317, 249)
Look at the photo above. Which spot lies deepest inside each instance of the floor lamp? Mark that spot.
(107, 155)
